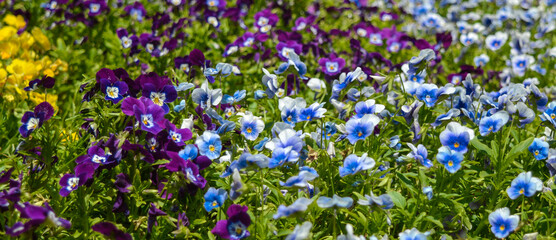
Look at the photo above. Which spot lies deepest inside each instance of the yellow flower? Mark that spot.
(16, 21)
(8, 49)
(22, 70)
(7, 32)
(3, 77)
(26, 40)
(41, 38)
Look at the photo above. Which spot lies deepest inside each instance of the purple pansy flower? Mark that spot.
(302, 22)
(96, 7)
(122, 183)
(110, 230)
(236, 225)
(36, 215)
(187, 167)
(46, 82)
(178, 136)
(265, 20)
(70, 182)
(127, 40)
(136, 11)
(35, 119)
(332, 65)
(158, 89)
(285, 47)
(150, 115)
(153, 213)
(95, 155)
(111, 86)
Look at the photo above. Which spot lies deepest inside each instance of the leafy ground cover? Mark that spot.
(215, 119)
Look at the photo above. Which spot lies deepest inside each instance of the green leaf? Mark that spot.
(480, 146)
(436, 222)
(398, 199)
(520, 147)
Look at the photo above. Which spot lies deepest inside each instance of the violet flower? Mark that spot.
(236, 225)
(35, 119)
(110, 230)
(332, 65)
(149, 115)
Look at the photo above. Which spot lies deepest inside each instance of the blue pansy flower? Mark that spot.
(180, 107)
(493, 123)
(413, 234)
(524, 184)
(481, 60)
(206, 97)
(360, 128)
(316, 110)
(450, 159)
(301, 232)
(214, 198)
(190, 152)
(349, 234)
(496, 41)
(550, 113)
(281, 156)
(428, 192)
(302, 179)
(420, 154)
(259, 146)
(293, 60)
(300, 205)
(209, 144)
(367, 107)
(429, 93)
(502, 223)
(290, 109)
(384, 201)
(335, 201)
(184, 86)
(452, 113)
(456, 137)
(251, 126)
(224, 69)
(520, 63)
(354, 164)
(238, 96)
(539, 149)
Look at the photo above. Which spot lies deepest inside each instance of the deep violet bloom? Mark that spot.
(284, 48)
(71, 182)
(45, 81)
(35, 119)
(187, 167)
(36, 215)
(128, 41)
(149, 115)
(111, 86)
(302, 22)
(95, 155)
(178, 136)
(136, 11)
(153, 213)
(122, 183)
(235, 227)
(158, 89)
(110, 230)
(265, 20)
(332, 65)
(96, 7)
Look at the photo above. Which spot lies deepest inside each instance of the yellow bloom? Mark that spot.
(8, 49)
(3, 76)
(22, 70)
(7, 32)
(26, 40)
(41, 38)
(16, 21)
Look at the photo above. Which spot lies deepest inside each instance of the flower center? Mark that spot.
(502, 227)
(308, 117)
(98, 159)
(552, 115)
(450, 163)
(536, 152)
(289, 118)
(211, 148)
(490, 128)
(112, 92)
(32, 123)
(158, 98)
(456, 145)
(147, 120)
(73, 182)
(214, 204)
(521, 191)
(249, 130)
(521, 64)
(359, 134)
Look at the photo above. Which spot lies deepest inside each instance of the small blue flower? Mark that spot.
(354, 164)
(367, 107)
(251, 126)
(259, 94)
(180, 107)
(335, 201)
(301, 232)
(314, 111)
(259, 146)
(550, 113)
(450, 159)
(420, 154)
(493, 123)
(445, 117)
(502, 223)
(384, 201)
(539, 149)
(281, 156)
(215, 198)
(428, 191)
(520, 63)
(190, 152)
(300, 205)
(496, 41)
(481, 60)
(524, 184)
(238, 96)
(305, 175)
(413, 234)
(293, 60)
(184, 86)
(456, 137)
(209, 145)
(429, 93)
(360, 128)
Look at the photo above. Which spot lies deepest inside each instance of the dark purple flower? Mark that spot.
(6, 175)
(46, 82)
(183, 220)
(96, 7)
(265, 20)
(182, 63)
(136, 11)
(236, 225)
(386, 16)
(153, 213)
(110, 230)
(122, 183)
(302, 22)
(178, 136)
(150, 115)
(17, 229)
(127, 40)
(284, 48)
(70, 182)
(95, 156)
(110, 85)
(158, 89)
(34, 120)
(332, 65)
(197, 58)
(38, 215)
(187, 167)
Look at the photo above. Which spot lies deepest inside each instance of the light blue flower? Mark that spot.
(224, 69)
(180, 107)
(282, 155)
(413, 234)
(452, 113)
(300, 205)
(428, 191)
(214, 198)
(259, 146)
(335, 201)
(301, 232)
(550, 113)
(539, 149)
(209, 145)
(293, 60)
(316, 110)
(524, 184)
(305, 175)
(496, 41)
(520, 63)
(238, 96)
(481, 60)
(206, 97)
(383, 201)
(502, 223)
(429, 93)
(367, 107)
(468, 38)
(349, 234)
(354, 164)
(360, 128)
(251, 126)
(450, 159)
(420, 154)
(493, 123)
(190, 152)
(456, 137)
(184, 86)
